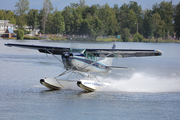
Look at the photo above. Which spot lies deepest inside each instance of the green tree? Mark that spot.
(155, 8)
(129, 16)
(33, 18)
(116, 8)
(58, 23)
(108, 17)
(68, 19)
(85, 27)
(12, 20)
(177, 21)
(74, 5)
(50, 24)
(148, 27)
(7, 15)
(21, 8)
(125, 34)
(122, 17)
(138, 12)
(82, 3)
(2, 12)
(47, 8)
(97, 29)
(40, 17)
(94, 10)
(137, 37)
(162, 29)
(85, 11)
(20, 34)
(136, 8)
(132, 21)
(165, 10)
(77, 13)
(166, 13)
(159, 26)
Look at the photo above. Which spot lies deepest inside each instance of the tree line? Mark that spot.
(163, 20)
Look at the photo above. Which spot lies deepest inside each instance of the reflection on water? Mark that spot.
(151, 91)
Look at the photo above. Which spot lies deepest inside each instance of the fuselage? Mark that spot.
(84, 64)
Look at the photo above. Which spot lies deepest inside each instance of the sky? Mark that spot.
(60, 4)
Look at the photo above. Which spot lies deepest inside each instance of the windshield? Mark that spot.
(77, 50)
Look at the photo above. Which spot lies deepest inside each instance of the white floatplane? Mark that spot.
(85, 62)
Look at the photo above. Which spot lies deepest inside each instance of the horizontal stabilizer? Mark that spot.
(121, 68)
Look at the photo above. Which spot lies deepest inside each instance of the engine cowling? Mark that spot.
(66, 58)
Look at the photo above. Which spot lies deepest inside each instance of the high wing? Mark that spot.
(95, 52)
(124, 52)
(43, 49)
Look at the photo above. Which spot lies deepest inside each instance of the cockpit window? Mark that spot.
(84, 52)
(90, 56)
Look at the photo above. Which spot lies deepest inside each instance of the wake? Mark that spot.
(140, 82)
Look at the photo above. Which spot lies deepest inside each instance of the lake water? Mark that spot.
(151, 91)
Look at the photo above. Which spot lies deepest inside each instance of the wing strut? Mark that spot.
(65, 72)
(97, 60)
(53, 55)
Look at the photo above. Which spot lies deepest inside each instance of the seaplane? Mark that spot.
(85, 62)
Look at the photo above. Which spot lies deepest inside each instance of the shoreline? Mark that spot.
(97, 40)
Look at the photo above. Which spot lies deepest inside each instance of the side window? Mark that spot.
(90, 56)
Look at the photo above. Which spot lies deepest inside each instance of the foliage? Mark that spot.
(137, 37)
(131, 21)
(47, 8)
(159, 26)
(68, 19)
(21, 8)
(108, 17)
(125, 34)
(31, 38)
(49, 24)
(96, 20)
(7, 15)
(95, 27)
(24, 31)
(147, 24)
(58, 23)
(130, 15)
(77, 13)
(32, 18)
(177, 21)
(20, 34)
(138, 12)
(165, 10)
(156, 21)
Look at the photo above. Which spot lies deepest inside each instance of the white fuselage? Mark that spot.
(84, 64)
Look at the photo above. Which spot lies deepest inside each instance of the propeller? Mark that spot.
(67, 61)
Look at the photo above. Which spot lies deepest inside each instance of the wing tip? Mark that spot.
(7, 44)
(159, 51)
